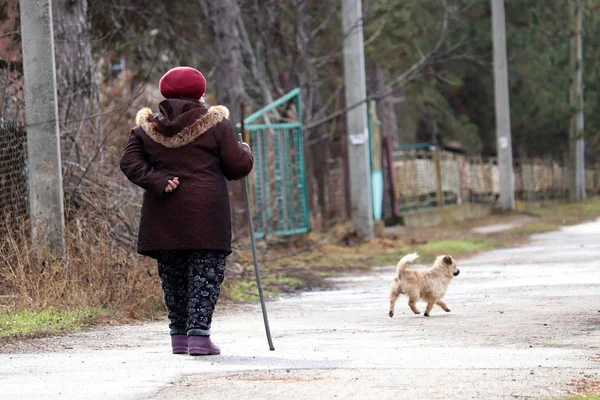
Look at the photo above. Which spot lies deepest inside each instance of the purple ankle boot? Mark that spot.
(179, 344)
(202, 346)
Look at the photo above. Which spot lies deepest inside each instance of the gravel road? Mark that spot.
(525, 323)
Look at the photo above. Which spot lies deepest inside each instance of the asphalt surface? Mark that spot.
(525, 323)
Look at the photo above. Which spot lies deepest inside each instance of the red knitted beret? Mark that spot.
(182, 82)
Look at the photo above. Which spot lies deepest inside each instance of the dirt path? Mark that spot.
(525, 323)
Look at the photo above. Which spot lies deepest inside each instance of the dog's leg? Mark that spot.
(412, 303)
(443, 305)
(428, 309)
(394, 294)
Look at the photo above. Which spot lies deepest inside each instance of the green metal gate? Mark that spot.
(278, 182)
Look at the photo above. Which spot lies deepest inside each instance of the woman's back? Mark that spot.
(197, 145)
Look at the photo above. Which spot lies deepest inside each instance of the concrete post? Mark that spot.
(503, 132)
(356, 119)
(43, 141)
(576, 141)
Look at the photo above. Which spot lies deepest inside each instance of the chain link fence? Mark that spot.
(13, 173)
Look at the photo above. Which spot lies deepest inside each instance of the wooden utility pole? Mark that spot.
(576, 141)
(41, 114)
(359, 161)
(503, 131)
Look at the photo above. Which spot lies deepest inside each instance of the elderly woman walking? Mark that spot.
(182, 156)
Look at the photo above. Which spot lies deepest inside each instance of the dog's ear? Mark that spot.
(448, 260)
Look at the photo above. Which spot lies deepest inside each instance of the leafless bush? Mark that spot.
(96, 272)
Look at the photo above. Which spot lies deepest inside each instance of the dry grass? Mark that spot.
(31, 323)
(96, 274)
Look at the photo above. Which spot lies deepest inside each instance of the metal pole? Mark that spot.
(43, 141)
(503, 132)
(356, 119)
(389, 152)
(253, 242)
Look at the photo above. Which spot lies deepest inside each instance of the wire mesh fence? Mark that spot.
(13, 173)
(416, 184)
(538, 180)
(427, 177)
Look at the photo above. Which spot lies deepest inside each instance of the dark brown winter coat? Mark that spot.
(198, 146)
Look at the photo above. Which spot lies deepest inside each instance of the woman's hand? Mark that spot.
(172, 185)
(246, 145)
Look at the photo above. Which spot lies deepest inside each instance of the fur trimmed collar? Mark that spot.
(212, 118)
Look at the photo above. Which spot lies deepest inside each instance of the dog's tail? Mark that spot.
(407, 259)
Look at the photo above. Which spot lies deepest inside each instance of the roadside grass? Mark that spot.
(30, 323)
(568, 213)
(103, 283)
(541, 227)
(459, 246)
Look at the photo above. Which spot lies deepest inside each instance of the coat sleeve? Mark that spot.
(236, 160)
(138, 170)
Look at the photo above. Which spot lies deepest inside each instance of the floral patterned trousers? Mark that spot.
(191, 283)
